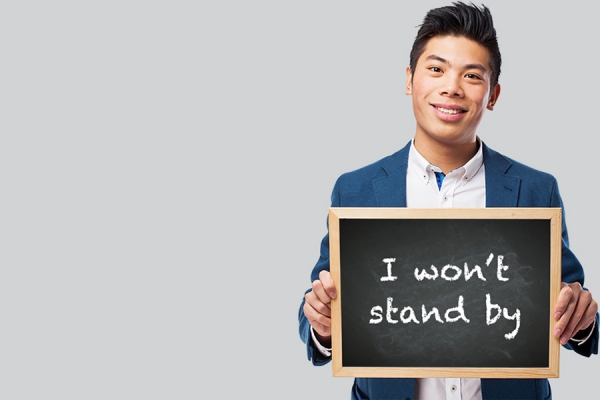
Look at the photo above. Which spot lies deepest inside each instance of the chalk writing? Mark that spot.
(423, 274)
(389, 276)
(448, 273)
(408, 313)
(499, 312)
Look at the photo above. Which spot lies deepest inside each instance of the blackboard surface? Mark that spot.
(470, 293)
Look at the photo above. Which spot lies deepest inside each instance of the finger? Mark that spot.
(582, 317)
(322, 330)
(585, 323)
(320, 293)
(581, 305)
(589, 317)
(313, 314)
(320, 323)
(328, 285)
(564, 297)
(565, 306)
(317, 304)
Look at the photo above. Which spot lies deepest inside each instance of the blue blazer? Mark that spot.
(508, 184)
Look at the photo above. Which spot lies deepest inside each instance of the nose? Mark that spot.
(451, 85)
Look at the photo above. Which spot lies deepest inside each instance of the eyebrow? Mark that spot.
(468, 66)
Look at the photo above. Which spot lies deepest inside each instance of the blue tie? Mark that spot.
(439, 176)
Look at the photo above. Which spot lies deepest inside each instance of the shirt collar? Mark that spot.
(474, 164)
(419, 164)
(423, 167)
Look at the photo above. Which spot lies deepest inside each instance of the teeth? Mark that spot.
(446, 111)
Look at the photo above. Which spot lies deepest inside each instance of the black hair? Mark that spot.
(462, 20)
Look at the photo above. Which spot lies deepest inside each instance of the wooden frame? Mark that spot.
(553, 215)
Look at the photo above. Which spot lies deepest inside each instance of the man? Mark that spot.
(453, 79)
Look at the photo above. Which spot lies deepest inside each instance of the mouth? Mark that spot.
(450, 111)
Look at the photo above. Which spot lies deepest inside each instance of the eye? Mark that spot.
(435, 69)
(473, 76)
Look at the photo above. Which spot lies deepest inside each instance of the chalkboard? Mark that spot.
(445, 292)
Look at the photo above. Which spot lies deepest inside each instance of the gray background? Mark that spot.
(166, 168)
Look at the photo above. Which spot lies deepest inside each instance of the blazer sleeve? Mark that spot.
(313, 354)
(572, 271)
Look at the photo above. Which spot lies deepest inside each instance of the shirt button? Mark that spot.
(453, 388)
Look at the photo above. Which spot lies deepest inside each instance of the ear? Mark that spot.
(408, 81)
(495, 93)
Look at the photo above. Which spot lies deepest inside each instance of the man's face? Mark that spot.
(451, 90)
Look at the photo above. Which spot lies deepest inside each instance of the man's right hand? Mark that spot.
(317, 307)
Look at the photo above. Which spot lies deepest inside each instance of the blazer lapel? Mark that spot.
(390, 190)
(501, 189)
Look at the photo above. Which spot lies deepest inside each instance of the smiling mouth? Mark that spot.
(449, 111)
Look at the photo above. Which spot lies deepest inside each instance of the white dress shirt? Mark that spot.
(463, 187)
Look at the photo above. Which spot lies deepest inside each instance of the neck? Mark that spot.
(447, 157)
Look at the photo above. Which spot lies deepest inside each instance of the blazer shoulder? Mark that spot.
(370, 186)
(514, 184)
(509, 166)
(378, 169)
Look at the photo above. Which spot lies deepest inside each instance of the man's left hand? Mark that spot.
(575, 310)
